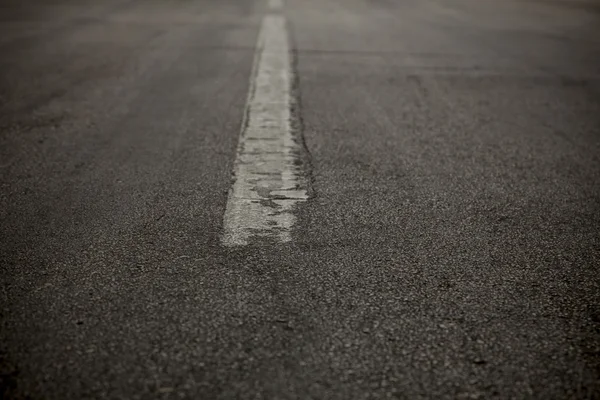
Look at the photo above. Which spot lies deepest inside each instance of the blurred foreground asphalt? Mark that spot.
(450, 248)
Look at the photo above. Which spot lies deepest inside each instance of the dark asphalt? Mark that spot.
(450, 248)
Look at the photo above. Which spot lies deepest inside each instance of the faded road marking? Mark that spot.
(269, 180)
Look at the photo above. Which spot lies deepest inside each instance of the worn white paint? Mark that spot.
(268, 182)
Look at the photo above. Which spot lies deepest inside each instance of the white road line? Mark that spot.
(269, 183)
(275, 4)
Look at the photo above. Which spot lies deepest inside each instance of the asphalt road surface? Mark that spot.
(426, 213)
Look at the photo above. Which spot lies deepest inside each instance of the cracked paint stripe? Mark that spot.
(268, 179)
